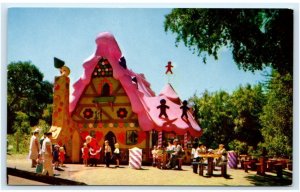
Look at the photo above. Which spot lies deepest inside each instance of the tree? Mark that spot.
(277, 115)
(216, 120)
(21, 127)
(257, 37)
(26, 93)
(248, 103)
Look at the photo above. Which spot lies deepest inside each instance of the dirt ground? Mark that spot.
(147, 176)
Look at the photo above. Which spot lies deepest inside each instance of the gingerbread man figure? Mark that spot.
(185, 109)
(169, 68)
(163, 108)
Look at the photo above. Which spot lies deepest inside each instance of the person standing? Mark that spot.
(34, 148)
(47, 155)
(85, 154)
(154, 155)
(117, 154)
(42, 140)
(61, 155)
(56, 156)
(94, 150)
(195, 152)
(107, 152)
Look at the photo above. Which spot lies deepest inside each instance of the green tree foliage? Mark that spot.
(257, 37)
(215, 116)
(231, 119)
(247, 105)
(21, 126)
(277, 115)
(26, 93)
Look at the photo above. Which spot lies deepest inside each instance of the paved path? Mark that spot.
(147, 176)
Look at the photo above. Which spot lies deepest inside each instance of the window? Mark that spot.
(131, 137)
(103, 69)
(105, 90)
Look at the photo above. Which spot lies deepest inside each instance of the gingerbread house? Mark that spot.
(111, 102)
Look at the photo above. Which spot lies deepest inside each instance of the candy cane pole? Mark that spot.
(160, 138)
(185, 140)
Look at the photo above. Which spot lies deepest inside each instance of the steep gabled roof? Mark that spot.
(142, 98)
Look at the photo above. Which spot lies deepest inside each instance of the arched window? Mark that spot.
(105, 90)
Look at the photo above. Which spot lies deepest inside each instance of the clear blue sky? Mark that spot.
(39, 34)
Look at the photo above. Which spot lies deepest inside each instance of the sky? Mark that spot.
(40, 34)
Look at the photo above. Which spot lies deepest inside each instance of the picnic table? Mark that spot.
(210, 161)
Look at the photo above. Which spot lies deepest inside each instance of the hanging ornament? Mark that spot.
(169, 67)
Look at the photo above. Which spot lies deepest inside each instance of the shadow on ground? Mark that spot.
(271, 180)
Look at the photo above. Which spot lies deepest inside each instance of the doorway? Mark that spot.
(110, 136)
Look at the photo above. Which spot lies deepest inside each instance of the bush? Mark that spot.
(238, 146)
(24, 141)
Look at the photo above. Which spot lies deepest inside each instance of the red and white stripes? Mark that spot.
(185, 140)
(135, 158)
(160, 138)
(232, 159)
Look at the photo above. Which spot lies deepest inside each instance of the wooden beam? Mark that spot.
(41, 178)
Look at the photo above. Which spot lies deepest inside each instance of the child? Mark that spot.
(39, 164)
(117, 154)
(56, 156)
(62, 156)
(107, 152)
(154, 154)
(85, 154)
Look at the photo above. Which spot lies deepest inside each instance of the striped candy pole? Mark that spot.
(160, 138)
(232, 159)
(185, 140)
(135, 158)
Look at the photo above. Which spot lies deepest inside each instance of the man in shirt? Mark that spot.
(175, 155)
(34, 148)
(47, 155)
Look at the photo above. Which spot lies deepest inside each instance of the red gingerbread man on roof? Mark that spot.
(169, 67)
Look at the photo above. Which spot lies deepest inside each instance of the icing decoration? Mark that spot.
(88, 113)
(185, 109)
(163, 108)
(122, 62)
(122, 113)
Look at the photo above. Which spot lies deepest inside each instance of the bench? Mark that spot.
(224, 169)
(261, 166)
(195, 165)
(201, 168)
(246, 164)
(260, 169)
(179, 163)
(278, 168)
(223, 166)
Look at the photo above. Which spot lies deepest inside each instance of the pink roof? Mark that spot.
(142, 98)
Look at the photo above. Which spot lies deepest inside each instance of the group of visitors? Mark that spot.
(174, 151)
(200, 148)
(43, 154)
(91, 152)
